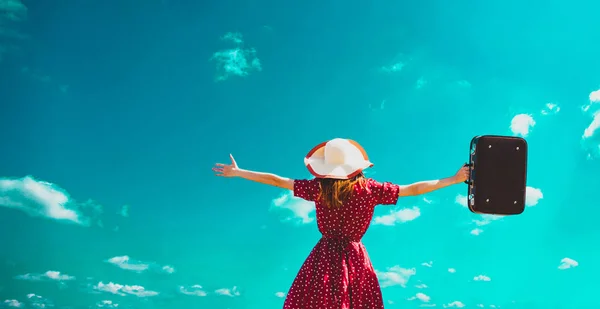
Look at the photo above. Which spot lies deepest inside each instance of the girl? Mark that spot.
(338, 273)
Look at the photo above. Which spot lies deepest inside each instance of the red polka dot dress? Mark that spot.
(338, 273)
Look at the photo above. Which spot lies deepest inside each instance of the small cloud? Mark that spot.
(591, 137)
(194, 290)
(301, 209)
(237, 61)
(567, 263)
(533, 196)
(124, 212)
(427, 264)
(38, 301)
(482, 278)
(123, 290)
(421, 286)
(395, 275)
(476, 231)
(422, 297)
(421, 82)
(49, 275)
(43, 199)
(398, 216)
(461, 200)
(107, 304)
(13, 303)
(463, 83)
(451, 270)
(427, 201)
(551, 109)
(228, 292)
(127, 263)
(396, 67)
(521, 124)
(454, 304)
(594, 99)
(280, 294)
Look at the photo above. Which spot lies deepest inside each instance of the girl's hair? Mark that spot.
(334, 192)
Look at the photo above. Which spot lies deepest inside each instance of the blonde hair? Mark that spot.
(334, 192)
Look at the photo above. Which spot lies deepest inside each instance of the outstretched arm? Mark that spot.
(423, 187)
(232, 170)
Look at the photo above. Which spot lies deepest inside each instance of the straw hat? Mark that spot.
(338, 158)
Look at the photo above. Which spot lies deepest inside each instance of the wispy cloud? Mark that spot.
(49, 275)
(123, 290)
(37, 301)
(567, 263)
(280, 294)
(427, 264)
(395, 275)
(194, 290)
(420, 296)
(13, 303)
(107, 304)
(12, 13)
(454, 304)
(300, 209)
(44, 199)
(590, 139)
(237, 61)
(482, 278)
(398, 216)
(451, 270)
(228, 292)
(550, 109)
(127, 263)
(124, 212)
(522, 124)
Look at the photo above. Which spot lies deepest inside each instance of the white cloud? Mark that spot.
(461, 200)
(107, 304)
(127, 263)
(451, 270)
(37, 301)
(427, 264)
(533, 196)
(49, 275)
(122, 290)
(237, 61)
(44, 199)
(395, 275)
(401, 215)
(280, 294)
(13, 303)
(550, 109)
(194, 290)
(476, 231)
(482, 278)
(454, 304)
(301, 209)
(420, 296)
(228, 292)
(567, 263)
(521, 124)
(421, 286)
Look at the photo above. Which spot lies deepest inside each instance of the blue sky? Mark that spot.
(113, 114)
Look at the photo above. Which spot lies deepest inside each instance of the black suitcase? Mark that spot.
(498, 175)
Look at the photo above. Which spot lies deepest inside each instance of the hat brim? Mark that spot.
(315, 163)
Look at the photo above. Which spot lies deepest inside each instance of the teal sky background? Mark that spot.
(113, 113)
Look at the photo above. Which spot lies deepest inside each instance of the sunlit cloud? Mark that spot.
(420, 296)
(482, 278)
(550, 109)
(49, 275)
(194, 290)
(107, 304)
(395, 275)
(455, 304)
(280, 294)
(567, 263)
(237, 61)
(521, 124)
(398, 216)
(123, 290)
(300, 209)
(44, 199)
(228, 292)
(476, 231)
(532, 196)
(127, 263)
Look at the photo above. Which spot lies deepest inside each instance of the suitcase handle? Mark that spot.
(468, 181)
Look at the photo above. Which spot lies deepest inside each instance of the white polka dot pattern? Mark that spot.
(338, 273)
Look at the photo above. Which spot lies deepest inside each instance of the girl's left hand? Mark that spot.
(226, 170)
